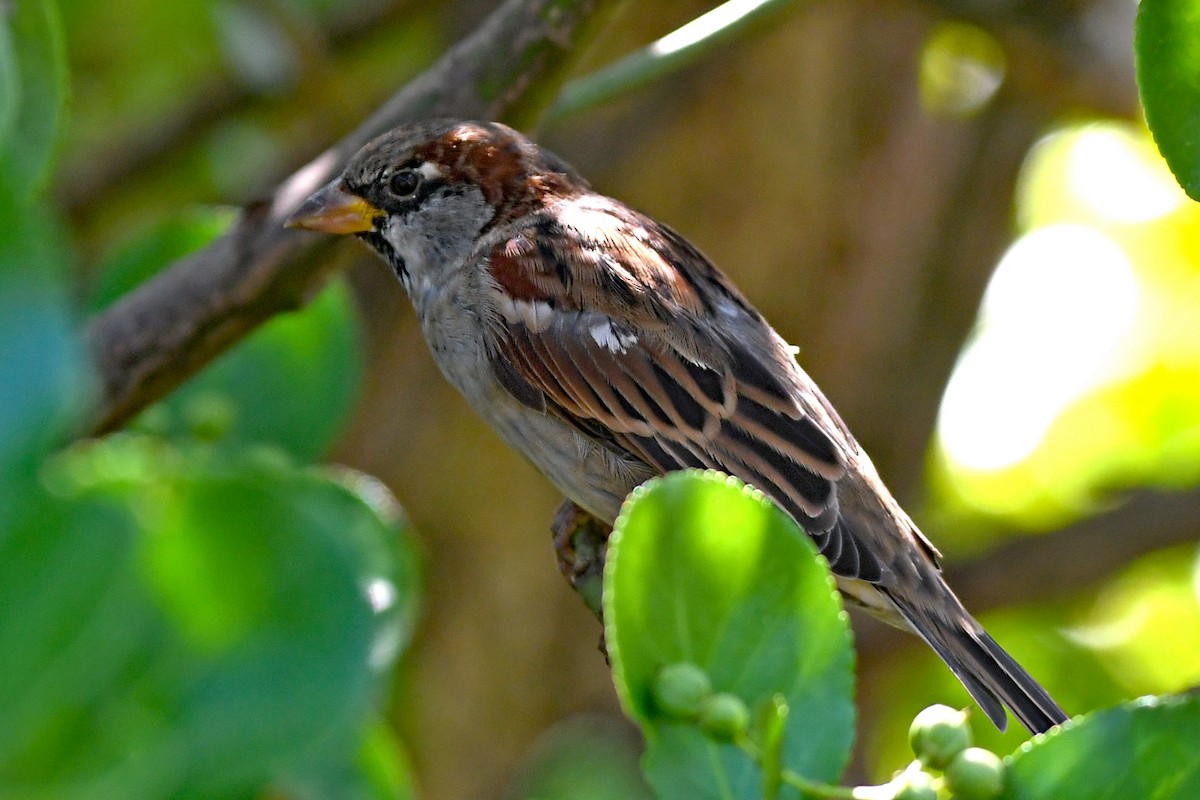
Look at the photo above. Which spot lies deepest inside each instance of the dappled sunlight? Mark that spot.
(1146, 625)
(962, 67)
(1056, 309)
(1121, 175)
(705, 26)
(1082, 365)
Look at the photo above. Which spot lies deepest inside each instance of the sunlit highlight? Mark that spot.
(705, 25)
(1112, 170)
(381, 593)
(1053, 316)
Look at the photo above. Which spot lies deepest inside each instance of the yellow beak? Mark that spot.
(334, 210)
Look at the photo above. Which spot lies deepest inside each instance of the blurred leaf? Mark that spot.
(1143, 749)
(188, 623)
(141, 257)
(42, 372)
(33, 75)
(41, 369)
(10, 83)
(256, 45)
(1143, 627)
(141, 63)
(1167, 54)
(703, 570)
(291, 383)
(384, 765)
(377, 770)
(587, 758)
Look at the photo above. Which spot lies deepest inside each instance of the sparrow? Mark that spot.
(608, 349)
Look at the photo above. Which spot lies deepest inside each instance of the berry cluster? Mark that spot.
(946, 765)
(941, 740)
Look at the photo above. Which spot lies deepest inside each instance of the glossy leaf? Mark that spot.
(702, 569)
(1167, 53)
(1144, 749)
(189, 623)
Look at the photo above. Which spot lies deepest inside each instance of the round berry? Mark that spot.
(680, 688)
(975, 774)
(938, 734)
(915, 785)
(723, 717)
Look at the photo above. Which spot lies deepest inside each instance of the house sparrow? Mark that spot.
(607, 349)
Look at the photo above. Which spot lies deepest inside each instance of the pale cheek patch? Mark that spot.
(608, 337)
(535, 315)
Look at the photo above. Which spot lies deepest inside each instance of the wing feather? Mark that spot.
(680, 395)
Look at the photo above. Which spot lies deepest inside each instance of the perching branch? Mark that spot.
(170, 327)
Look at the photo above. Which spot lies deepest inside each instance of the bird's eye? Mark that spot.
(404, 182)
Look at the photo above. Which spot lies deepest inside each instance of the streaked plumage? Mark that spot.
(607, 349)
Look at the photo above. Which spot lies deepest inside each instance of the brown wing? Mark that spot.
(613, 338)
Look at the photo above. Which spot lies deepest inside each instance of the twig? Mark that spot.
(672, 52)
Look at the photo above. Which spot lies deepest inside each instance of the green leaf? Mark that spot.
(702, 569)
(41, 367)
(585, 758)
(190, 623)
(148, 251)
(1142, 749)
(291, 383)
(1167, 56)
(33, 90)
(378, 769)
(43, 373)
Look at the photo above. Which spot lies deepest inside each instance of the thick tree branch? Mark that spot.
(167, 329)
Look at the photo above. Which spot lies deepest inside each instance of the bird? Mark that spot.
(607, 349)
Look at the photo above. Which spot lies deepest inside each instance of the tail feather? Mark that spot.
(991, 676)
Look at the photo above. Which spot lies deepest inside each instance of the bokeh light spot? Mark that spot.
(1120, 175)
(1057, 307)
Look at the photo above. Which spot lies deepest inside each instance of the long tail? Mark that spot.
(990, 674)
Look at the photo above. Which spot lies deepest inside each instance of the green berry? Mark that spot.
(723, 717)
(680, 688)
(975, 774)
(938, 734)
(915, 785)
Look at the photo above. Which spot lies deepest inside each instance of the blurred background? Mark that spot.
(953, 208)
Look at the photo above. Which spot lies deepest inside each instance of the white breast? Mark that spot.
(592, 475)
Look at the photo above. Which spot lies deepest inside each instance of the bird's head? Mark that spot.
(423, 194)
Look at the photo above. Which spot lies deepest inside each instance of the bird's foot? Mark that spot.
(580, 541)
